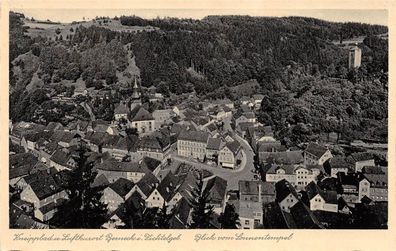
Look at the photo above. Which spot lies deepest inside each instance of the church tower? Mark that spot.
(136, 99)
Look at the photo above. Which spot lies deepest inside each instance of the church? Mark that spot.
(137, 116)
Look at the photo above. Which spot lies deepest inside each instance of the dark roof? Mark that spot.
(99, 181)
(303, 217)
(151, 163)
(96, 138)
(45, 187)
(335, 162)
(168, 186)
(116, 166)
(316, 149)
(373, 170)
(122, 186)
(283, 188)
(234, 146)
(140, 114)
(197, 136)
(217, 187)
(147, 183)
(156, 140)
(361, 156)
(121, 109)
(52, 206)
(180, 219)
(214, 143)
(25, 222)
(61, 157)
(377, 180)
(252, 187)
(313, 189)
(52, 126)
(271, 147)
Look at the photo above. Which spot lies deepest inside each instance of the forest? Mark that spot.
(304, 76)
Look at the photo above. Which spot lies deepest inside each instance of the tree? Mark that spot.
(229, 219)
(84, 208)
(162, 218)
(201, 210)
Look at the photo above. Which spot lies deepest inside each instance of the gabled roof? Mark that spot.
(362, 156)
(316, 150)
(214, 144)
(52, 126)
(45, 187)
(377, 180)
(273, 146)
(303, 217)
(61, 157)
(147, 183)
(156, 140)
(289, 169)
(283, 188)
(121, 109)
(252, 187)
(122, 186)
(140, 114)
(234, 146)
(168, 186)
(313, 189)
(180, 219)
(116, 166)
(197, 136)
(150, 163)
(217, 187)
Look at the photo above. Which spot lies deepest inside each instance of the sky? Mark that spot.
(69, 15)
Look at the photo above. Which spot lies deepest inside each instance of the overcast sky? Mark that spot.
(69, 15)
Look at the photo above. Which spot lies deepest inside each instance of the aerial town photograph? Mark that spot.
(128, 121)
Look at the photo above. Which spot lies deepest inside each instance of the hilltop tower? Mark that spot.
(136, 99)
(355, 57)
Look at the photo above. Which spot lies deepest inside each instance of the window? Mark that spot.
(247, 222)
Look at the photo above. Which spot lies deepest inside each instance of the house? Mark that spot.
(336, 165)
(142, 120)
(47, 212)
(182, 217)
(378, 190)
(20, 165)
(62, 159)
(162, 116)
(145, 186)
(121, 112)
(47, 150)
(242, 128)
(321, 200)
(269, 149)
(360, 160)
(54, 126)
(184, 189)
(156, 146)
(113, 170)
(125, 148)
(43, 190)
(301, 217)
(250, 214)
(306, 174)
(217, 188)
(219, 113)
(257, 191)
(259, 134)
(257, 99)
(192, 144)
(95, 141)
(243, 116)
(116, 193)
(225, 102)
(163, 193)
(213, 148)
(286, 195)
(100, 125)
(316, 154)
(277, 173)
(230, 155)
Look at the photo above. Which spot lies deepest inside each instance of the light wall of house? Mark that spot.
(364, 189)
(191, 149)
(226, 158)
(154, 200)
(246, 223)
(360, 164)
(120, 116)
(291, 178)
(145, 126)
(334, 171)
(288, 203)
(378, 194)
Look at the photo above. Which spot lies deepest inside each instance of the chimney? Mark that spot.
(259, 191)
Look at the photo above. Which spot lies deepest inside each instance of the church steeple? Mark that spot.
(136, 96)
